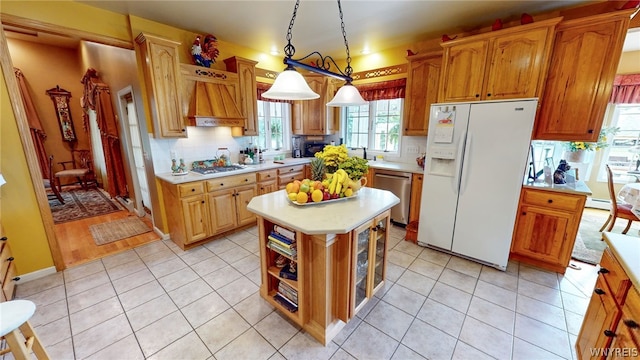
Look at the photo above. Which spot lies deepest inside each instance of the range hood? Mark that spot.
(213, 104)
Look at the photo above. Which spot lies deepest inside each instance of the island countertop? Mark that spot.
(338, 217)
(626, 249)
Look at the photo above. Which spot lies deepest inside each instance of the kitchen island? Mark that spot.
(328, 259)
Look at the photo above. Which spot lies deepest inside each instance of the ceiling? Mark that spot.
(374, 25)
(370, 24)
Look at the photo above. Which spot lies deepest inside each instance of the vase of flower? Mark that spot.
(577, 156)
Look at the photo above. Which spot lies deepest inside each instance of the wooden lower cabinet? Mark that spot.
(199, 210)
(611, 325)
(290, 173)
(546, 228)
(267, 181)
(336, 274)
(416, 197)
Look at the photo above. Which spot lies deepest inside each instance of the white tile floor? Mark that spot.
(159, 302)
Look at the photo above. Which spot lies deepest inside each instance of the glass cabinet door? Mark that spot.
(379, 243)
(361, 264)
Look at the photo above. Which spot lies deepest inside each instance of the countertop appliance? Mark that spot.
(474, 169)
(399, 183)
(296, 148)
(311, 148)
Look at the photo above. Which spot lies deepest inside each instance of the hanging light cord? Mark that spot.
(323, 62)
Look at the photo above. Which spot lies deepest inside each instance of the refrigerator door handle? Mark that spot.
(459, 163)
(466, 163)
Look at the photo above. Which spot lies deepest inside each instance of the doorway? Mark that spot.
(60, 236)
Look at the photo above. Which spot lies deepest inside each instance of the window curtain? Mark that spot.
(262, 88)
(97, 97)
(37, 133)
(384, 90)
(626, 89)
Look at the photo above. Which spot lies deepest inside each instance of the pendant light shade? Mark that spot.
(290, 85)
(347, 95)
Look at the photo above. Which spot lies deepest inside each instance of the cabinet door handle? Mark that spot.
(4, 238)
(10, 258)
(603, 271)
(221, 184)
(192, 190)
(477, 95)
(550, 201)
(590, 131)
(202, 202)
(609, 333)
(246, 180)
(631, 324)
(599, 291)
(524, 213)
(489, 94)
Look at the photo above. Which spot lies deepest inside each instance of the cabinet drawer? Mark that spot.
(230, 181)
(290, 169)
(189, 189)
(631, 314)
(5, 255)
(614, 275)
(549, 199)
(267, 175)
(289, 177)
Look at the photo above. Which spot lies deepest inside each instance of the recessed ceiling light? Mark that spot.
(274, 51)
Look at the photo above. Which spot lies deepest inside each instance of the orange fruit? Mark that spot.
(302, 197)
(289, 188)
(316, 195)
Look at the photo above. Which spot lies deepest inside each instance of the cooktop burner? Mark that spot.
(216, 169)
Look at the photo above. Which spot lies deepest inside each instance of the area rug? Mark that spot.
(81, 204)
(589, 246)
(117, 230)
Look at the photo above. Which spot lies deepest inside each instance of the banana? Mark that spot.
(334, 182)
(339, 186)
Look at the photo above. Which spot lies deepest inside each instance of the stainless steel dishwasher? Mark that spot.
(399, 183)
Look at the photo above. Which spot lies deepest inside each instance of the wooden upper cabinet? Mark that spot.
(162, 78)
(585, 58)
(246, 70)
(314, 117)
(423, 75)
(463, 71)
(504, 64)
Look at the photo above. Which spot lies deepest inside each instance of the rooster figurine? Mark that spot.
(196, 52)
(409, 52)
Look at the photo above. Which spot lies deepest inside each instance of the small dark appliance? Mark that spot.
(310, 149)
(296, 150)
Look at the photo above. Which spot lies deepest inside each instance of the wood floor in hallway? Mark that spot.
(77, 245)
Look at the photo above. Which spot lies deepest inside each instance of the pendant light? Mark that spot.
(290, 85)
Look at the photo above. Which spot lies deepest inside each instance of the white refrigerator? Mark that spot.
(474, 169)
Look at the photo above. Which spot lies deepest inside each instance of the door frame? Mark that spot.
(21, 120)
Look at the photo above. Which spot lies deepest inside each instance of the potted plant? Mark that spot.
(576, 150)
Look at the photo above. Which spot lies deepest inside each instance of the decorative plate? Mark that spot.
(324, 201)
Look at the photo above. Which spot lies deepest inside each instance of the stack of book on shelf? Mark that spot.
(287, 296)
(283, 241)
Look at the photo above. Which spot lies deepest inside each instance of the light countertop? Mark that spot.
(267, 165)
(580, 187)
(626, 249)
(338, 217)
(396, 166)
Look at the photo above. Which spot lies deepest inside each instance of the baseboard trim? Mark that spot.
(162, 235)
(37, 274)
(598, 204)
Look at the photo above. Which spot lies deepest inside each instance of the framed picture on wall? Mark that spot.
(60, 98)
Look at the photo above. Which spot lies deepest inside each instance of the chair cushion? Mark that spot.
(72, 172)
(625, 209)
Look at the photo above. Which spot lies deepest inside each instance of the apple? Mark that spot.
(335, 196)
(326, 196)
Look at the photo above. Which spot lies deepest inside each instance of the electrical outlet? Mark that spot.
(413, 149)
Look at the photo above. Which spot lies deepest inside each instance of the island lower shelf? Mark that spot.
(320, 281)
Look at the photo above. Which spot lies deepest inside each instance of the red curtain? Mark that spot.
(384, 90)
(97, 97)
(37, 133)
(626, 89)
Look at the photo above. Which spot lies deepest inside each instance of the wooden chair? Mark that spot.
(50, 183)
(81, 169)
(617, 210)
(21, 339)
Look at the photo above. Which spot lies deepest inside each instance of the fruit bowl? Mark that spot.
(324, 201)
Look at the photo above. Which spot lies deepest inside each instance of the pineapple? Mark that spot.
(317, 169)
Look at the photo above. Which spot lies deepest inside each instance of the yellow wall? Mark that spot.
(20, 213)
